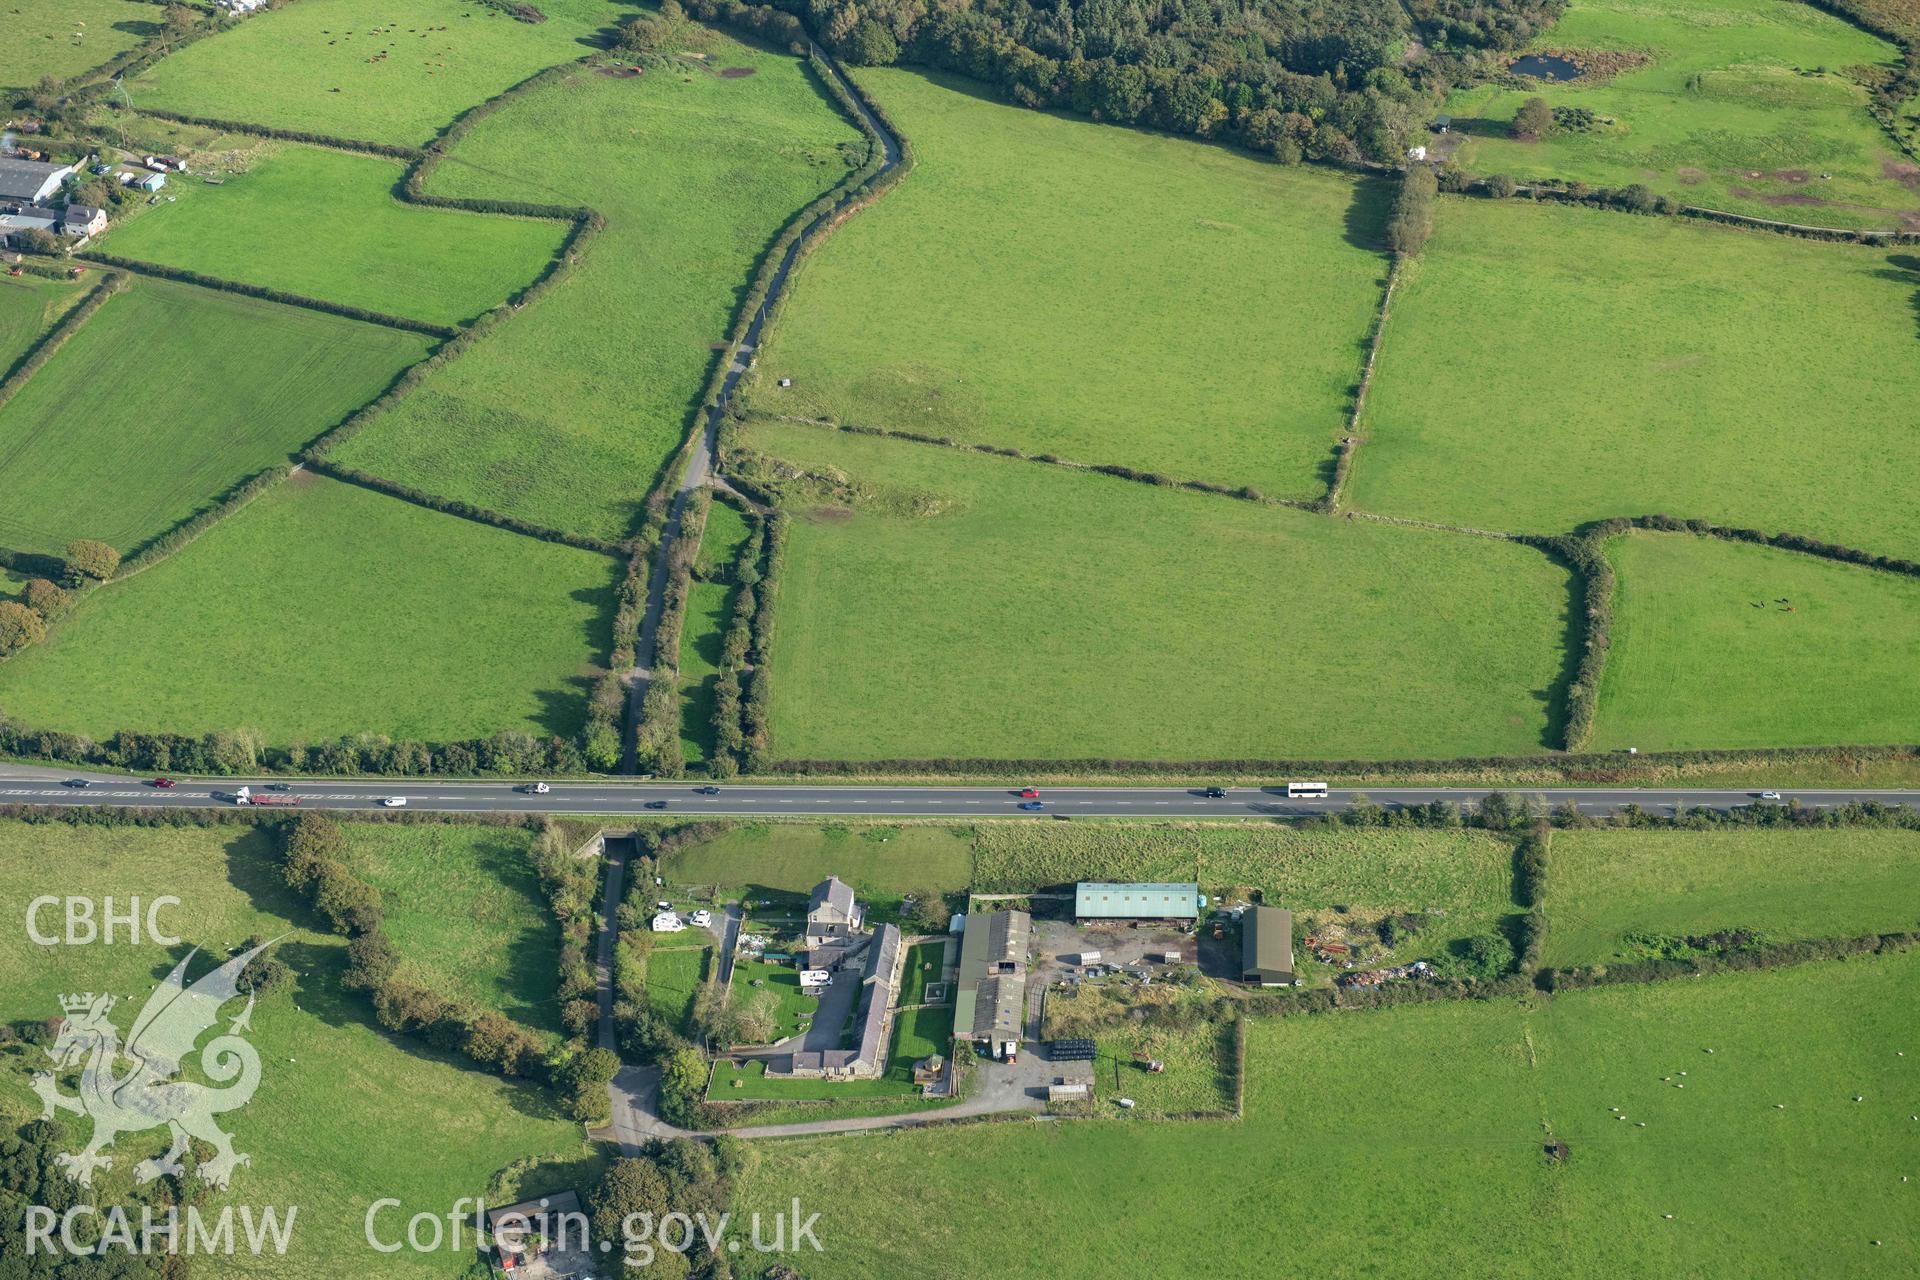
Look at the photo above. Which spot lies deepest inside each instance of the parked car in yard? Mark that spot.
(702, 918)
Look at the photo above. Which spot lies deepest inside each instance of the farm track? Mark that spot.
(699, 470)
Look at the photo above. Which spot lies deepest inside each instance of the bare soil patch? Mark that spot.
(1904, 172)
(736, 73)
(620, 73)
(1690, 176)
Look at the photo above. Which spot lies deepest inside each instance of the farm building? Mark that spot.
(990, 1001)
(15, 220)
(1266, 947)
(1096, 902)
(83, 220)
(144, 181)
(31, 181)
(518, 1233)
(868, 1057)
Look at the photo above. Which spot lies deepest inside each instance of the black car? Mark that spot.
(706, 791)
(656, 804)
(77, 782)
(1215, 793)
(278, 786)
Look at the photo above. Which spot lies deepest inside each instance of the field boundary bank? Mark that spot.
(1244, 493)
(179, 275)
(463, 510)
(1350, 444)
(331, 141)
(889, 159)
(1553, 191)
(56, 335)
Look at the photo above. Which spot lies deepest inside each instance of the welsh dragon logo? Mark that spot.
(147, 1092)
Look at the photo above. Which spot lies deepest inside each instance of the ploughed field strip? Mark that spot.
(1724, 644)
(937, 602)
(325, 224)
(565, 414)
(167, 396)
(1102, 294)
(403, 624)
(1751, 106)
(346, 1111)
(1545, 366)
(367, 69)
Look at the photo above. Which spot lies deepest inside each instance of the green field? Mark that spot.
(28, 306)
(1722, 644)
(1604, 884)
(323, 609)
(1098, 293)
(674, 975)
(317, 65)
(1546, 366)
(565, 413)
(1409, 1142)
(974, 606)
(790, 858)
(709, 610)
(923, 965)
(62, 40)
(167, 396)
(279, 224)
(467, 913)
(345, 1113)
(1746, 105)
(794, 1007)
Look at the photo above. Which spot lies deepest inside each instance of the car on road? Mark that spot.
(655, 804)
(278, 786)
(77, 782)
(701, 919)
(1769, 795)
(165, 784)
(1029, 793)
(535, 788)
(1215, 793)
(1032, 806)
(706, 791)
(395, 802)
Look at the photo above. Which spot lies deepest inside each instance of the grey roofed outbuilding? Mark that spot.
(991, 996)
(557, 1205)
(1266, 946)
(1098, 901)
(30, 180)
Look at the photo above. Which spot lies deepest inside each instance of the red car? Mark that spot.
(1029, 793)
(164, 783)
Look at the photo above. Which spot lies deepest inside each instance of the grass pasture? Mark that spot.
(1722, 644)
(208, 638)
(674, 975)
(1603, 884)
(790, 858)
(1745, 105)
(1417, 1133)
(565, 414)
(166, 397)
(1107, 295)
(708, 612)
(1546, 366)
(466, 912)
(278, 224)
(364, 69)
(28, 307)
(62, 40)
(971, 606)
(345, 1113)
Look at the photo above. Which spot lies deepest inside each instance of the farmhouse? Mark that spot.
(833, 922)
(1095, 903)
(991, 999)
(83, 220)
(867, 1057)
(31, 181)
(1266, 947)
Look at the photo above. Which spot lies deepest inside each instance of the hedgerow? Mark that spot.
(183, 276)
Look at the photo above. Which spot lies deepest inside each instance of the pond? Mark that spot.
(1544, 66)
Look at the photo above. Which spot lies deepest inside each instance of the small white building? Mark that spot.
(1416, 153)
(668, 922)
